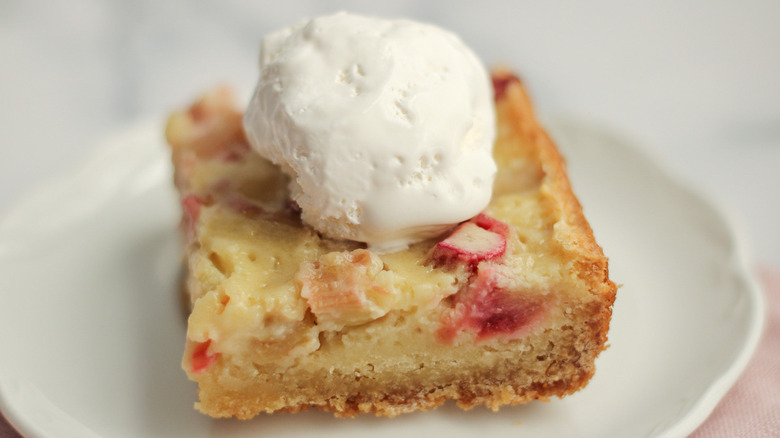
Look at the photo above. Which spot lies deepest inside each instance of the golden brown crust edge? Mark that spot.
(572, 230)
(492, 395)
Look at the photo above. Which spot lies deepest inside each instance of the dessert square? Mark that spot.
(510, 306)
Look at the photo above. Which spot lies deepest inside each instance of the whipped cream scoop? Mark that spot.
(386, 127)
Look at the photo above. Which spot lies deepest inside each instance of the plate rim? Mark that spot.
(740, 261)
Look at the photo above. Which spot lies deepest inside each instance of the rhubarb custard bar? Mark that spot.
(507, 305)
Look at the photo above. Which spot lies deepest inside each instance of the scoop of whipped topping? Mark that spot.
(386, 127)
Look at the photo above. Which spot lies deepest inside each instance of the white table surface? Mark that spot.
(694, 83)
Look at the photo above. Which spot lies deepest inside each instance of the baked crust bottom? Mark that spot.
(526, 377)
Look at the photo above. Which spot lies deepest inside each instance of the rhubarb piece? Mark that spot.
(211, 128)
(487, 307)
(191, 211)
(201, 358)
(341, 290)
(469, 244)
(491, 224)
(500, 83)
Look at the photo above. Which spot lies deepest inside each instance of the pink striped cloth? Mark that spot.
(752, 407)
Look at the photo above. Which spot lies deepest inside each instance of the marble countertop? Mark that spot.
(695, 84)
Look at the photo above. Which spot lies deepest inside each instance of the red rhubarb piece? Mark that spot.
(491, 224)
(191, 205)
(489, 309)
(201, 358)
(501, 82)
(482, 238)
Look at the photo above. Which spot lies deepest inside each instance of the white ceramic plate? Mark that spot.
(91, 330)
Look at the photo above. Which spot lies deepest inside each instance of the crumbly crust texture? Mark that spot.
(262, 349)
